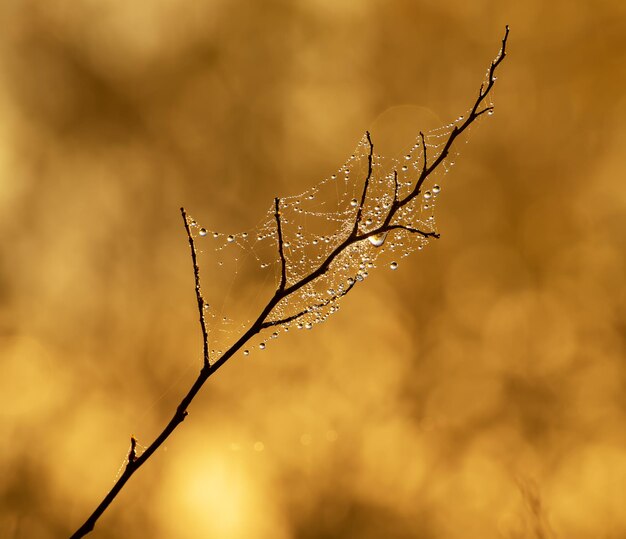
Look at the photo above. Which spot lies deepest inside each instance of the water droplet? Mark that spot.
(427, 195)
(230, 239)
(368, 221)
(491, 111)
(350, 281)
(436, 189)
(286, 245)
(215, 234)
(407, 157)
(308, 325)
(262, 346)
(377, 239)
(202, 232)
(393, 265)
(274, 335)
(244, 235)
(300, 325)
(353, 202)
(246, 352)
(405, 168)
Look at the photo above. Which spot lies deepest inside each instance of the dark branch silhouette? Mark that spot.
(283, 292)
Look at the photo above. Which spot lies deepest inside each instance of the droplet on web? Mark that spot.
(393, 265)
(262, 346)
(377, 239)
(353, 202)
(428, 195)
(436, 189)
(202, 232)
(230, 238)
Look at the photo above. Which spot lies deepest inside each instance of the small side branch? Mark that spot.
(313, 308)
(199, 298)
(132, 453)
(281, 247)
(370, 157)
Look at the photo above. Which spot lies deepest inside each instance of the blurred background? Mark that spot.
(477, 392)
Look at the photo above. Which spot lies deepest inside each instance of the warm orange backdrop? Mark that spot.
(477, 392)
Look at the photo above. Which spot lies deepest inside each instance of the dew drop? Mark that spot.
(353, 203)
(427, 195)
(274, 335)
(436, 189)
(308, 325)
(405, 168)
(491, 111)
(215, 234)
(393, 265)
(377, 239)
(230, 239)
(202, 232)
(246, 352)
(262, 346)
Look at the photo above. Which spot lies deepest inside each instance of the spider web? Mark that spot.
(314, 223)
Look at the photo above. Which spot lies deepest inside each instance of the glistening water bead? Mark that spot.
(393, 265)
(436, 189)
(202, 232)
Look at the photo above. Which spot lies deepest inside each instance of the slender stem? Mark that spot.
(134, 462)
(281, 246)
(200, 299)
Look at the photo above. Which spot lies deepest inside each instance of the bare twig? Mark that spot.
(196, 274)
(283, 291)
(366, 184)
(281, 246)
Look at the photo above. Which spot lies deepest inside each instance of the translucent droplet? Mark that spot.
(215, 234)
(308, 325)
(262, 346)
(246, 352)
(202, 232)
(405, 168)
(353, 202)
(491, 111)
(393, 265)
(368, 221)
(407, 157)
(230, 239)
(286, 245)
(436, 189)
(377, 239)
(427, 195)
(274, 335)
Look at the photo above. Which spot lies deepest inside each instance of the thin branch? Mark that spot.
(283, 292)
(366, 183)
(425, 162)
(196, 274)
(315, 307)
(281, 247)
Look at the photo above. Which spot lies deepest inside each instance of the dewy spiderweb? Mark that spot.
(314, 223)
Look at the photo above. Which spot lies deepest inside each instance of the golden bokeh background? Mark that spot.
(477, 392)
